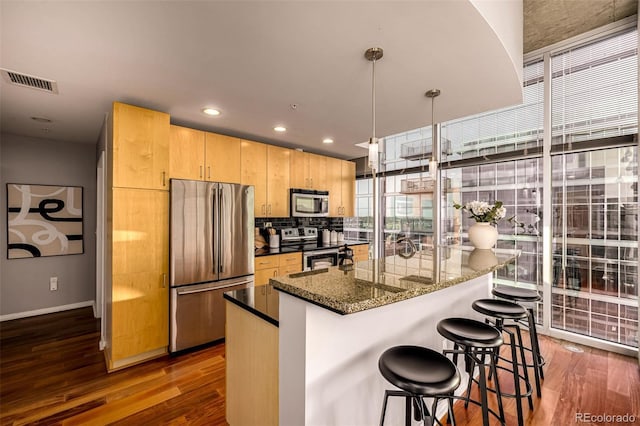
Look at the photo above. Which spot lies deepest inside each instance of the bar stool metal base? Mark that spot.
(478, 342)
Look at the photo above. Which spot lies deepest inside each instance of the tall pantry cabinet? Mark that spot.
(137, 240)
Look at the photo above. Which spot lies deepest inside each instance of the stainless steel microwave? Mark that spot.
(309, 203)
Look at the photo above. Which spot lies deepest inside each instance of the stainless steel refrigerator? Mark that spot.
(212, 251)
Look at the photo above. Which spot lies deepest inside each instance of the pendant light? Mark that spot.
(433, 162)
(373, 54)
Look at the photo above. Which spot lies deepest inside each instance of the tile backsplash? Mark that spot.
(332, 223)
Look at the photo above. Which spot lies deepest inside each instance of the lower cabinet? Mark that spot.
(251, 347)
(137, 295)
(276, 265)
(360, 252)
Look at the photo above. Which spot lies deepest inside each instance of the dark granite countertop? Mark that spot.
(374, 283)
(261, 301)
(267, 251)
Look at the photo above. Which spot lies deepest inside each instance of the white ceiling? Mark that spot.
(253, 60)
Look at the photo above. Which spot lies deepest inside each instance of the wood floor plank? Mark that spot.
(52, 372)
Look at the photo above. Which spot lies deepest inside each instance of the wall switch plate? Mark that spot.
(267, 224)
(53, 283)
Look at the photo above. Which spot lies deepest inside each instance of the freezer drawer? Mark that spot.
(198, 312)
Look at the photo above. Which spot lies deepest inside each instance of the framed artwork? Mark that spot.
(44, 220)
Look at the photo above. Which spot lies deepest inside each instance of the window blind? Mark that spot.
(595, 90)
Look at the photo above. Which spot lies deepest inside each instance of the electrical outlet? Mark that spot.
(53, 283)
(267, 224)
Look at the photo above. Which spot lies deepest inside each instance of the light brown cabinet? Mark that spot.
(137, 236)
(308, 171)
(341, 182)
(199, 155)
(186, 153)
(360, 252)
(222, 158)
(266, 167)
(138, 309)
(276, 265)
(251, 345)
(140, 147)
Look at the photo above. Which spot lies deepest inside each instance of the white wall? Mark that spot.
(24, 283)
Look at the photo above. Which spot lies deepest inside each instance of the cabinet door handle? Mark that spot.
(201, 176)
(164, 178)
(208, 172)
(164, 280)
(311, 180)
(264, 211)
(269, 209)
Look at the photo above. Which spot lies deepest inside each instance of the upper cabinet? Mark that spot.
(341, 181)
(266, 167)
(278, 172)
(222, 158)
(348, 188)
(199, 155)
(140, 147)
(253, 171)
(308, 171)
(186, 153)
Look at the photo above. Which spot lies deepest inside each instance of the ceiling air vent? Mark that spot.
(31, 81)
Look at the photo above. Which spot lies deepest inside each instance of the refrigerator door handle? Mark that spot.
(202, 290)
(220, 268)
(215, 244)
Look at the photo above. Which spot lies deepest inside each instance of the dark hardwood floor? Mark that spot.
(51, 372)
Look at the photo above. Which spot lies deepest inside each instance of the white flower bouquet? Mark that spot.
(482, 211)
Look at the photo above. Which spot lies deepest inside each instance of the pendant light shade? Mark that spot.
(373, 54)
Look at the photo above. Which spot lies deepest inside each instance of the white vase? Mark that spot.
(483, 235)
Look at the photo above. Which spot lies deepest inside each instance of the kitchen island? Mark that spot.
(334, 323)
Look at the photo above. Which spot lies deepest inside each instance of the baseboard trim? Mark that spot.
(44, 311)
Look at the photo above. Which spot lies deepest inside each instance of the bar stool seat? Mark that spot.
(500, 308)
(420, 373)
(478, 341)
(517, 294)
(468, 332)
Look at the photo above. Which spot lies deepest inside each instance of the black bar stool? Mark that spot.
(478, 342)
(525, 295)
(501, 311)
(420, 373)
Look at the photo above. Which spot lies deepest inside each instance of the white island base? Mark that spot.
(328, 364)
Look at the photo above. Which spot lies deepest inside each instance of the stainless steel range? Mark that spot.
(313, 255)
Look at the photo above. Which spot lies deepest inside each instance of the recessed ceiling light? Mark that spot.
(327, 140)
(211, 111)
(280, 129)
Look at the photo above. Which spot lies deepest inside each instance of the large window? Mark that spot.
(518, 184)
(595, 244)
(592, 285)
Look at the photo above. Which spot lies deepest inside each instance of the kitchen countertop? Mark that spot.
(267, 251)
(354, 289)
(261, 301)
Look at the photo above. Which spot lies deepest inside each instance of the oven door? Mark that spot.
(319, 259)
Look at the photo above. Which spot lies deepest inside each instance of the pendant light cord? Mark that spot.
(373, 101)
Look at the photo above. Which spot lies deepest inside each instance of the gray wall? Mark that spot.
(24, 283)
